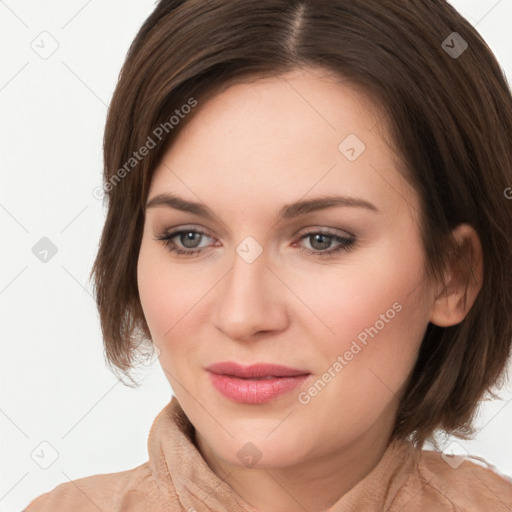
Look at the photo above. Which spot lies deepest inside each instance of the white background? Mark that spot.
(54, 381)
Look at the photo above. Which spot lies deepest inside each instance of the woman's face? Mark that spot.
(264, 289)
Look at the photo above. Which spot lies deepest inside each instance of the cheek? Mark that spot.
(383, 293)
(173, 301)
(159, 295)
(373, 318)
(361, 371)
(164, 295)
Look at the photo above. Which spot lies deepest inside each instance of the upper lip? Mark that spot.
(254, 370)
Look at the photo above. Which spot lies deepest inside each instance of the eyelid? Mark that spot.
(187, 227)
(330, 231)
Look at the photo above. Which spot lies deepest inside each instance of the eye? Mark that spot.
(188, 242)
(321, 240)
(188, 237)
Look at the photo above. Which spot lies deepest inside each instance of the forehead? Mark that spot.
(280, 138)
(309, 103)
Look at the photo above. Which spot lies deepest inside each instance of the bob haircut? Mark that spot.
(450, 120)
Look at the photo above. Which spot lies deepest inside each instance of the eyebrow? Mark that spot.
(288, 211)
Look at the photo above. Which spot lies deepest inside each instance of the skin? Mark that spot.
(246, 152)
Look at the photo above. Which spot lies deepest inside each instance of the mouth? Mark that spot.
(255, 384)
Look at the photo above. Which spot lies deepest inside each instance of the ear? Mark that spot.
(462, 280)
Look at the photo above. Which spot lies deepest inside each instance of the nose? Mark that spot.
(251, 301)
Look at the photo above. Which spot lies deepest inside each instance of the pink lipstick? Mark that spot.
(255, 384)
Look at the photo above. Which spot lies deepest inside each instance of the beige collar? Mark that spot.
(179, 468)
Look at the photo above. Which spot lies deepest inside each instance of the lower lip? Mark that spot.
(247, 391)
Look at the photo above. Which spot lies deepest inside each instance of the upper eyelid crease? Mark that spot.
(289, 211)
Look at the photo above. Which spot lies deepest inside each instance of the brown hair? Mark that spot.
(449, 116)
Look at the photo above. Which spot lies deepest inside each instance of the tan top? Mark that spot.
(177, 478)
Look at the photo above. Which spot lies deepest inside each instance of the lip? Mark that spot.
(254, 384)
(254, 370)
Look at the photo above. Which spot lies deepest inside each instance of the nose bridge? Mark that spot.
(247, 301)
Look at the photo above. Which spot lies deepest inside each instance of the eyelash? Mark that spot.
(347, 244)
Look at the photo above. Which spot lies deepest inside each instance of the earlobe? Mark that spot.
(462, 280)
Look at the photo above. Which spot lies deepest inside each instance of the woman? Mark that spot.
(309, 217)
